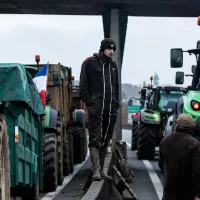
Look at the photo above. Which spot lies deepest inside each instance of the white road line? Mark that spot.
(154, 177)
(128, 144)
(67, 179)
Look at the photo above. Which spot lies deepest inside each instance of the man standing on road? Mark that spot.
(99, 89)
(180, 161)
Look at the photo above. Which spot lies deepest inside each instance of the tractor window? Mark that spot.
(136, 102)
(168, 100)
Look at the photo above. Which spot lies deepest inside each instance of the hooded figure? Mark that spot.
(99, 89)
(180, 162)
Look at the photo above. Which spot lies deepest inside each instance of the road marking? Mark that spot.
(128, 144)
(154, 177)
(67, 179)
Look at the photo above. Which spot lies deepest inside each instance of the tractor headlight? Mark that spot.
(195, 105)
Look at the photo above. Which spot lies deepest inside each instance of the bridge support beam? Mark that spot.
(115, 25)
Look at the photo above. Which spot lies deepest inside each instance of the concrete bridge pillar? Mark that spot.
(115, 25)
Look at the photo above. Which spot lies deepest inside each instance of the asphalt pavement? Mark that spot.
(147, 183)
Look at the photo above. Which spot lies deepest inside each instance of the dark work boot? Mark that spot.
(102, 155)
(94, 155)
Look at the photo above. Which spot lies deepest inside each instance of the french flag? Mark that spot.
(40, 79)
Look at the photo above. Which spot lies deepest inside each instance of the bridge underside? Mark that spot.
(162, 8)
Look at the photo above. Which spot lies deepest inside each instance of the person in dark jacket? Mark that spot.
(180, 162)
(99, 89)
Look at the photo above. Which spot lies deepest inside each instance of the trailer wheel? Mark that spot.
(78, 144)
(60, 152)
(85, 143)
(33, 193)
(147, 141)
(70, 130)
(4, 160)
(135, 135)
(66, 163)
(50, 155)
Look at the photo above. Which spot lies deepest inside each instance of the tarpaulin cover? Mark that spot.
(16, 85)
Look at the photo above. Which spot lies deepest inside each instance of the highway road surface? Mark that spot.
(147, 183)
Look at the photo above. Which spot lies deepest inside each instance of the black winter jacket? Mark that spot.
(99, 80)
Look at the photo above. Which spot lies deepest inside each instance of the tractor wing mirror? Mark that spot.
(198, 44)
(143, 93)
(193, 68)
(179, 78)
(176, 58)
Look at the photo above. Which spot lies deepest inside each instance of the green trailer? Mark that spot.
(21, 134)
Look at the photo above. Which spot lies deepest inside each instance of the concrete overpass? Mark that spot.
(115, 14)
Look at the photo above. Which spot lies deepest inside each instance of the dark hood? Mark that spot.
(102, 57)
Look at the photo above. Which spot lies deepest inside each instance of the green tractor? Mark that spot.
(160, 105)
(189, 103)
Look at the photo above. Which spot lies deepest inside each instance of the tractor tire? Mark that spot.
(70, 130)
(135, 135)
(66, 159)
(50, 162)
(78, 144)
(71, 153)
(4, 160)
(33, 192)
(60, 151)
(85, 144)
(146, 141)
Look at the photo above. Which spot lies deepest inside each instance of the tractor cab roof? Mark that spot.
(169, 87)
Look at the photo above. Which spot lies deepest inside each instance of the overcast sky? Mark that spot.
(70, 39)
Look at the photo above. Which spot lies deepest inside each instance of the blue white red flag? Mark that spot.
(40, 80)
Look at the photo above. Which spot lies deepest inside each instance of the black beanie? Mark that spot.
(107, 43)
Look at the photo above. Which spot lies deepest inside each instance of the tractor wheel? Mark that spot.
(50, 163)
(70, 131)
(135, 134)
(4, 160)
(60, 152)
(146, 141)
(78, 141)
(85, 144)
(33, 192)
(66, 159)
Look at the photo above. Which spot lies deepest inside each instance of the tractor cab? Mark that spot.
(167, 98)
(163, 100)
